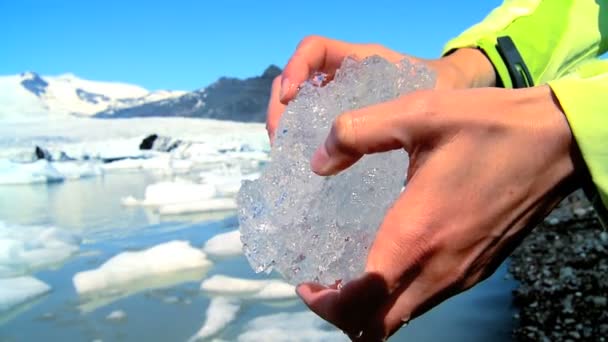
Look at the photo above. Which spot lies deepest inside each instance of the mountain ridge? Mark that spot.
(228, 98)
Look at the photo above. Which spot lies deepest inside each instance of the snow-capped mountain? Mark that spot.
(231, 99)
(29, 94)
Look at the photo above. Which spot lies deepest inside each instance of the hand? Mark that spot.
(482, 173)
(463, 68)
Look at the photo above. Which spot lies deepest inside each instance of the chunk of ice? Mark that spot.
(25, 249)
(312, 228)
(290, 327)
(132, 267)
(270, 289)
(116, 316)
(18, 290)
(224, 245)
(220, 313)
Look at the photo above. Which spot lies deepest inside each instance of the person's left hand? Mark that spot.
(485, 166)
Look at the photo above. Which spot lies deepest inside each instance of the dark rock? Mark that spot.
(34, 83)
(226, 99)
(41, 153)
(148, 142)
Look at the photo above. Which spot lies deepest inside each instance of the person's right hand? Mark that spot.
(464, 68)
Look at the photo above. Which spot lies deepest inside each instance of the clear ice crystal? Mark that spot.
(312, 228)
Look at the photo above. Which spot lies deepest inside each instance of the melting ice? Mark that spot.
(320, 228)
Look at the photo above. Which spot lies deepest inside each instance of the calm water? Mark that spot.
(173, 309)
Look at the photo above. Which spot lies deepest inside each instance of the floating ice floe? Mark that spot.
(43, 171)
(161, 163)
(18, 290)
(224, 245)
(116, 316)
(202, 206)
(220, 313)
(140, 268)
(24, 249)
(165, 193)
(290, 327)
(271, 289)
(227, 182)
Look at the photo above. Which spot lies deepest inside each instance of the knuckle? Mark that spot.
(309, 40)
(344, 132)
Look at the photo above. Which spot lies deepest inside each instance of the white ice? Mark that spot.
(290, 327)
(221, 312)
(116, 315)
(18, 290)
(224, 244)
(209, 144)
(202, 206)
(131, 267)
(24, 249)
(28, 173)
(271, 289)
(167, 192)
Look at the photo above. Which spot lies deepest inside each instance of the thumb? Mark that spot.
(378, 128)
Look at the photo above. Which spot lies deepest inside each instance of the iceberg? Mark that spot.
(202, 206)
(312, 228)
(18, 290)
(130, 268)
(224, 245)
(41, 171)
(271, 289)
(221, 312)
(25, 249)
(179, 191)
(290, 327)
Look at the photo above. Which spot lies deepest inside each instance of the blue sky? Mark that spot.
(183, 44)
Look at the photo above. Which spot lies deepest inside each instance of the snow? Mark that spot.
(69, 94)
(290, 327)
(224, 244)
(18, 290)
(24, 249)
(221, 312)
(131, 267)
(271, 289)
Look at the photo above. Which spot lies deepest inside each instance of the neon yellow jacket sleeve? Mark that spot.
(583, 96)
(552, 36)
(559, 41)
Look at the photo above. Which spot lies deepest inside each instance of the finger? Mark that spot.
(351, 307)
(275, 108)
(321, 300)
(313, 54)
(379, 128)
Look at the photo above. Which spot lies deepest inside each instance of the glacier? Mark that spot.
(312, 228)
(30, 95)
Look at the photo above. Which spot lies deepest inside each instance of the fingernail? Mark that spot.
(319, 162)
(285, 85)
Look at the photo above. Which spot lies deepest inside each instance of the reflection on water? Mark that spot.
(172, 307)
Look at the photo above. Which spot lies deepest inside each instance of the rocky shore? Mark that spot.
(562, 268)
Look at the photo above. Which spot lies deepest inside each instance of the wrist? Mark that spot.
(465, 68)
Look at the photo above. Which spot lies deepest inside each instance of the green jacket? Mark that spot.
(559, 41)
